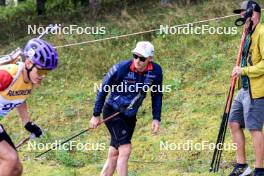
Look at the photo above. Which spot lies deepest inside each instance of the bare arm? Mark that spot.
(23, 113)
(29, 126)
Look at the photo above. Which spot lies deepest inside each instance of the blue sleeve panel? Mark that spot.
(156, 94)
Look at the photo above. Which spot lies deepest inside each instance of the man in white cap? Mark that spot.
(133, 77)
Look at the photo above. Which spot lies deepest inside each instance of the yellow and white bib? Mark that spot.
(17, 92)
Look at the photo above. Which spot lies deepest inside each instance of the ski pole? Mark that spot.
(49, 28)
(222, 130)
(84, 131)
(101, 122)
(22, 142)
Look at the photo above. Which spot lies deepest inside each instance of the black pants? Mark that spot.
(120, 127)
(5, 137)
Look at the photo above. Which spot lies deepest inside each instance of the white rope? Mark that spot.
(143, 32)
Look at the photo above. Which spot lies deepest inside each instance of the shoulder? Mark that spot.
(125, 63)
(122, 66)
(261, 27)
(5, 79)
(119, 68)
(156, 67)
(261, 30)
(10, 68)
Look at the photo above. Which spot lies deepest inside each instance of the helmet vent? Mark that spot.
(42, 59)
(47, 52)
(47, 63)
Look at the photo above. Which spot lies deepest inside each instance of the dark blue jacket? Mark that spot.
(122, 78)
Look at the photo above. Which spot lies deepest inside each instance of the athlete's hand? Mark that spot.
(94, 122)
(237, 71)
(33, 128)
(155, 126)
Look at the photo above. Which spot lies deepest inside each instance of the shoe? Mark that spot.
(241, 170)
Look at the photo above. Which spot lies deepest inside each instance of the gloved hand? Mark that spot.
(33, 128)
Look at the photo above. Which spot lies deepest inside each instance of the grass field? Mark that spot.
(198, 68)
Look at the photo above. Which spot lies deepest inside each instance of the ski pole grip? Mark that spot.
(240, 22)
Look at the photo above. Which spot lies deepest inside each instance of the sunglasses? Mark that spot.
(141, 58)
(40, 71)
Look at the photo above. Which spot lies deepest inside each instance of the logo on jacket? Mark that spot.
(131, 75)
(19, 92)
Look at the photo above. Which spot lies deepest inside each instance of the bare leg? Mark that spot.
(122, 162)
(110, 164)
(258, 142)
(9, 161)
(238, 138)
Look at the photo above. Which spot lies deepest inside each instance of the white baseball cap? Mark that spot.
(144, 48)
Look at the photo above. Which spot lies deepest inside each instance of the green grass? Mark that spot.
(197, 67)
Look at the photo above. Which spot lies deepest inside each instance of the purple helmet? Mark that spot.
(42, 53)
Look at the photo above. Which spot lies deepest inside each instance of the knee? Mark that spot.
(234, 126)
(15, 165)
(124, 151)
(113, 156)
(18, 169)
(256, 133)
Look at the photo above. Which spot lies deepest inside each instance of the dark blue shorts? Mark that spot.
(120, 127)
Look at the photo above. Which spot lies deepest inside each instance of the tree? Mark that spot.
(95, 6)
(190, 2)
(165, 3)
(41, 7)
(2, 2)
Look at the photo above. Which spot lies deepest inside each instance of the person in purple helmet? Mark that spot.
(16, 84)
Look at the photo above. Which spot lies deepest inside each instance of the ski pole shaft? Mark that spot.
(22, 142)
(130, 106)
(63, 142)
(222, 131)
(233, 81)
(84, 131)
(49, 28)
